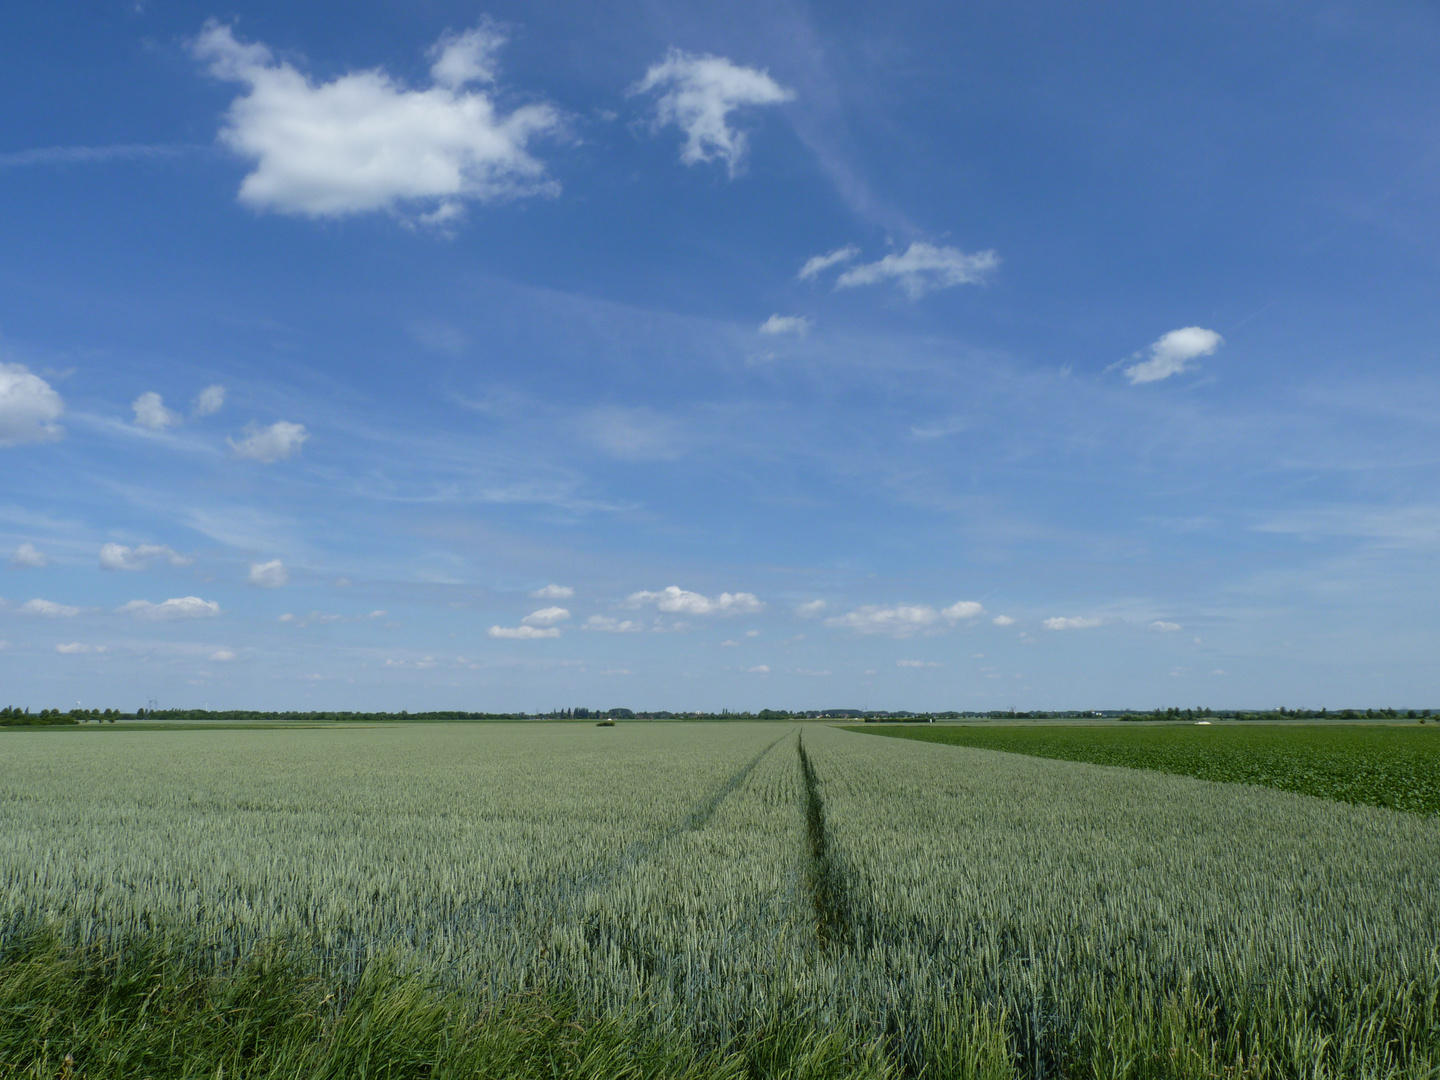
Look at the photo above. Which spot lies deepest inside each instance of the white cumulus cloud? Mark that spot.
(270, 444)
(269, 575)
(674, 600)
(364, 142)
(120, 557)
(523, 632)
(963, 609)
(923, 268)
(29, 407)
(760, 669)
(546, 617)
(1078, 622)
(75, 647)
(1003, 620)
(698, 94)
(1170, 355)
(151, 413)
(613, 626)
(818, 264)
(180, 607)
(900, 620)
(1160, 626)
(209, 401)
(48, 608)
(786, 324)
(916, 663)
(467, 57)
(810, 608)
(29, 555)
(553, 592)
(221, 656)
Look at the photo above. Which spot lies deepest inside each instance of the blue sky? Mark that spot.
(525, 356)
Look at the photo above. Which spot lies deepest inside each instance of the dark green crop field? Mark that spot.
(1372, 765)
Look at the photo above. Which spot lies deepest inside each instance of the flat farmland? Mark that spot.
(726, 899)
(1395, 766)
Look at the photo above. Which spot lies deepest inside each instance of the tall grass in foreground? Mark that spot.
(410, 900)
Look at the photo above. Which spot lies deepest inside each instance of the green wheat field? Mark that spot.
(727, 900)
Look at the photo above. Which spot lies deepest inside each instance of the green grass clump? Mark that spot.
(1367, 765)
(147, 1010)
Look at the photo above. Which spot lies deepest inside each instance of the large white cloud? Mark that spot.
(180, 607)
(29, 555)
(523, 633)
(1170, 355)
(270, 444)
(364, 142)
(29, 407)
(546, 617)
(150, 412)
(48, 608)
(120, 557)
(698, 94)
(922, 268)
(674, 600)
(269, 575)
(902, 620)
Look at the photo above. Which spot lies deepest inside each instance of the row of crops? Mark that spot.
(955, 911)
(1390, 765)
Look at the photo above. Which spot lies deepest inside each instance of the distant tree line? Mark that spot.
(329, 715)
(13, 716)
(22, 717)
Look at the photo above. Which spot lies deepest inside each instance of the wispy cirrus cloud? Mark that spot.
(180, 607)
(1075, 622)
(818, 264)
(85, 155)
